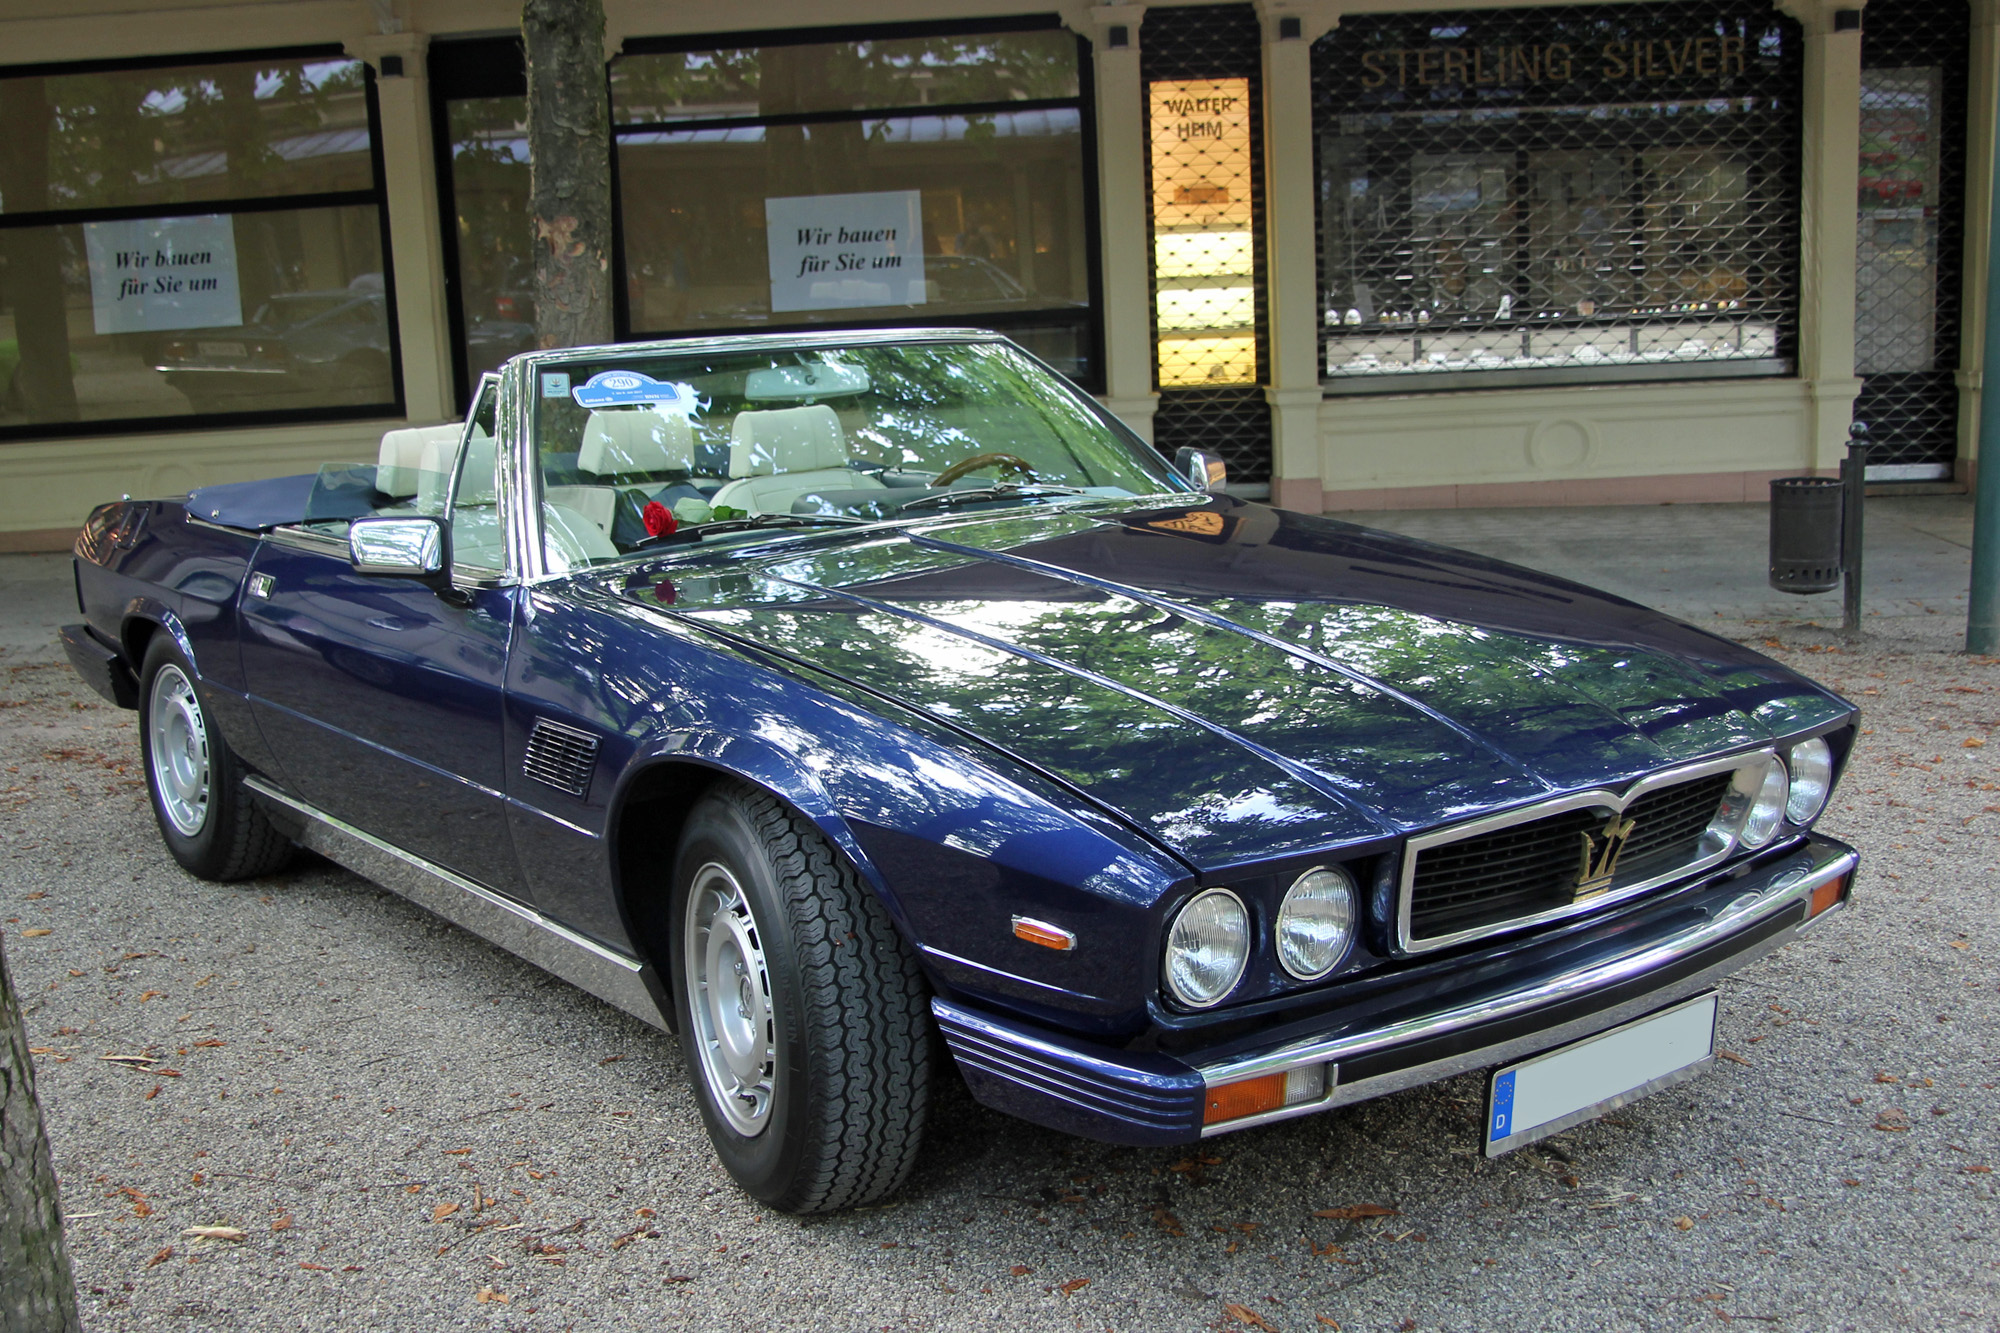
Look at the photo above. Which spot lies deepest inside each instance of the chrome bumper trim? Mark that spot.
(611, 976)
(1830, 862)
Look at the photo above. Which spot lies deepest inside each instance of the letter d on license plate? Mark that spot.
(1553, 1091)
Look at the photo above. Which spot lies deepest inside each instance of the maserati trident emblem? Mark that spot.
(1598, 860)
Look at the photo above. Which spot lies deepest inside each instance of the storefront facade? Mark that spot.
(1379, 254)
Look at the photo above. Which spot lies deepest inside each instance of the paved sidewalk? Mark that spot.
(1701, 562)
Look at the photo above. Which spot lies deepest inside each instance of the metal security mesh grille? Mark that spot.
(1599, 192)
(1909, 247)
(1202, 66)
(1495, 878)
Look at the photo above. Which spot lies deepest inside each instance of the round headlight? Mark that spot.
(1316, 923)
(1207, 948)
(1812, 778)
(1766, 808)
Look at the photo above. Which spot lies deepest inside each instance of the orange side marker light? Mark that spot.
(1827, 895)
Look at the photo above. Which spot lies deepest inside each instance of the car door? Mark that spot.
(382, 695)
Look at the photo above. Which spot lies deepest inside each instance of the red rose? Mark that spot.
(658, 518)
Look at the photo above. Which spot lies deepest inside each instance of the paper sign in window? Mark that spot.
(150, 274)
(833, 251)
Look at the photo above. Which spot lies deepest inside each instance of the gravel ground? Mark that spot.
(417, 1131)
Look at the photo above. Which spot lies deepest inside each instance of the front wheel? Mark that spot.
(804, 1018)
(207, 819)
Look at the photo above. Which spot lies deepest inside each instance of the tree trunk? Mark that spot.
(569, 150)
(37, 1294)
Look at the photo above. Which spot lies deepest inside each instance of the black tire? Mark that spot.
(210, 823)
(833, 988)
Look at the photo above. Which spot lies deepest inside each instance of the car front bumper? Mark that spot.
(1709, 930)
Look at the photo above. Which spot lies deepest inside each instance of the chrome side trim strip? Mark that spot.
(611, 976)
(1831, 861)
(1714, 849)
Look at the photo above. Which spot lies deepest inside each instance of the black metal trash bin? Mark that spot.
(1805, 534)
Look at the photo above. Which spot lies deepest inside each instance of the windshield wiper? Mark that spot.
(998, 491)
(696, 531)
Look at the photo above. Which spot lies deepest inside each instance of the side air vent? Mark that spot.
(561, 757)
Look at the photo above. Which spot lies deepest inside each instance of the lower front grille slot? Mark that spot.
(1485, 881)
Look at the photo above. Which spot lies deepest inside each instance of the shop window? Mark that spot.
(881, 180)
(479, 93)
(1549, 195)
(192, 241)
(1911, 238)
(1203, 70)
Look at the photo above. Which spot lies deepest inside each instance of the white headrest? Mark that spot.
(615, 443)
(401, 461)
(791, 439)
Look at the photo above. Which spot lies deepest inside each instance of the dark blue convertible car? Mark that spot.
(856, 705)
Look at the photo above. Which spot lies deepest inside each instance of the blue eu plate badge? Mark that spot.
(1502, 1122)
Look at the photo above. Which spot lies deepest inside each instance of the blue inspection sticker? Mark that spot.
(1503, 1108)
(621, 388)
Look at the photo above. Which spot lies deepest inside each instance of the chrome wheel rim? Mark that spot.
(179, 750)
(729, 997)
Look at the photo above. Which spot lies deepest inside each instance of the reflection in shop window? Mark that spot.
(1609, 192)
(970, 146)
(218, 298)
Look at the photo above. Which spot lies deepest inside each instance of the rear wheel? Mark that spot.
(208, 821)
(804, 1018)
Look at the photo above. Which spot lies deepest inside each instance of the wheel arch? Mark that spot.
(649, 809)
(143, 618)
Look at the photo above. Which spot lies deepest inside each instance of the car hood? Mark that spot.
(1243, 682)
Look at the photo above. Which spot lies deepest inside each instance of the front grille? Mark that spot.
(1490, 879)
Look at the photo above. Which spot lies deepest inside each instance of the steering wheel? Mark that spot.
(1006, 462)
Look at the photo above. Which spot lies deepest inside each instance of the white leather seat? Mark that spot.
(400, 463)
(778, 455)
(617, 444)
(599, 504)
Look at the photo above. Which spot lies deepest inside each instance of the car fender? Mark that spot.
(761, 764)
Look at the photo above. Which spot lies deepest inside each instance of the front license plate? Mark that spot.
(1546, 1095)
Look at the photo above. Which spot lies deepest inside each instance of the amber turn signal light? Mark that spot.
(1044, 934)
(1233, 1101)
(1827, 895)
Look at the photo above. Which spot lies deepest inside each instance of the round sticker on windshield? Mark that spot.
(620, 388)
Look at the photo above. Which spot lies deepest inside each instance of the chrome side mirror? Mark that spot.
(411, 547)
(1207, 471)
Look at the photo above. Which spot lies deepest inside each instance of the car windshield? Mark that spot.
(641, 452)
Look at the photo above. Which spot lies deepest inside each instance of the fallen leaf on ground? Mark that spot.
(1245, 1316)
(1973, 742)
(488, 1296)
(1167, 1222)
(443, 1211)
(282, 1224)
(1892, 1121)
(1020, 1270)
(1978, 1170)
(213, 1233)
(317, 1268)
(1074, 1285)
(1356, 1211)
(1684, 1223)
(161, 1257)
(1731, 1055)
(1330, 1323)
(36, 933)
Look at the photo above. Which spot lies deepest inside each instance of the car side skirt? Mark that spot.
(616, 978)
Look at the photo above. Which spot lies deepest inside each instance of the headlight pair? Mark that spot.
(1210, 942)
(1764, 797)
